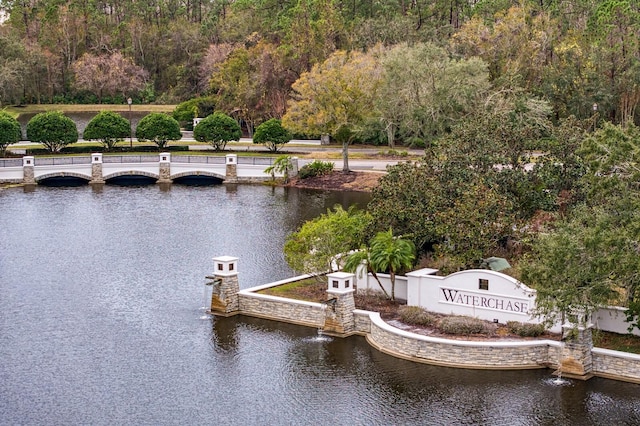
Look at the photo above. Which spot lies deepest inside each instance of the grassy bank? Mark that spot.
(36, 108)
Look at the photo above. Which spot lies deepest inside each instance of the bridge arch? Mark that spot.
(132, 173)
(63, 175)
(199, 173)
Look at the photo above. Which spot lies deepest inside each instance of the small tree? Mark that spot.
(281, 165)
(392, 254)
(52, 129)
(159, 128)
(358, 258)
(323, 241)
(217, 129)
(272, 134)
(108, 127)
(10, 131)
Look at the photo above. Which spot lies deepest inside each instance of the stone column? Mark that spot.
(232, 169)
(28, 171)
(165, 168)
(96, 169)
(576, 360)
(338, 318)
(293, 167)
(224, 297)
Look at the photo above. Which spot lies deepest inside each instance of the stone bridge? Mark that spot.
(164, 168)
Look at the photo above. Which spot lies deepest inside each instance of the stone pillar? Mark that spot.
(224, 297)
(232, 169)
(338, 317)
(576, 360)
(293, 167)
(28, 171)
(96, 169)
(165, 168)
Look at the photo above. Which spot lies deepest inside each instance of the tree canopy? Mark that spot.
(52, 129)
(217, 129)
(335, 96)
(10, 131)
(271, 134)
(321, 245)
(108, 127)
(159, 128)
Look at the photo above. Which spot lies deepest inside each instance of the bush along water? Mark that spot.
(315, 168)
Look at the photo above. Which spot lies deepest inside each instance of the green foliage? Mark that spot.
(10, 131)
(315, 168)
(283, 165)
(272, 134)
(415, 315)
(424, 91)
(589, 261)
(186, 111)
(337, 94)
(391, 254)
(52, 129)
(320, 244)
(460, 325)
(443, 206)
(108, 127)
(158, 128)
(525, 329)
(217, 129)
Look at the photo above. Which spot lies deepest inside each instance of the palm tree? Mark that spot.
(392, 254)
(282, 164)
(355, 259)
(385, 253)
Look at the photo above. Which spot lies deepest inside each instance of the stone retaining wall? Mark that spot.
(616, 365)
(461, 353)
(281, 309)
(497, 355)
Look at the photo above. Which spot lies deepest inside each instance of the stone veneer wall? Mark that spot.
(438, 351)
(616, 365)
(461, 353)
(279, 308)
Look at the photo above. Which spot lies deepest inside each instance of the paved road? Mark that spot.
(293, 148)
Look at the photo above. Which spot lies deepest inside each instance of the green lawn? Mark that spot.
(36, 108)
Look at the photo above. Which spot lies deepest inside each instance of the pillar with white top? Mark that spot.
(224, 297)
(339, 319)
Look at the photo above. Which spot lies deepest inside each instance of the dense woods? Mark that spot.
(248, 53)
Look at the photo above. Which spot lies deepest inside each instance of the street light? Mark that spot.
(129, 101)
(595, 118)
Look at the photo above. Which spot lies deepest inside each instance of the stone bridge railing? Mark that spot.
(97, 168)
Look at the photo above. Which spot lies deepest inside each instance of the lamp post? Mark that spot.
(129, 101)
(595, 118)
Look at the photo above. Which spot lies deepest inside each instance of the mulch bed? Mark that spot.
(340, 181)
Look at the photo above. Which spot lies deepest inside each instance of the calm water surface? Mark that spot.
(101, 324)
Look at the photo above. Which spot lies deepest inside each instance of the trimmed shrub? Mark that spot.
(415, 315)
(158, 128)
(315, 168)
(52, 129)
(465, 325)
(525, 329)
